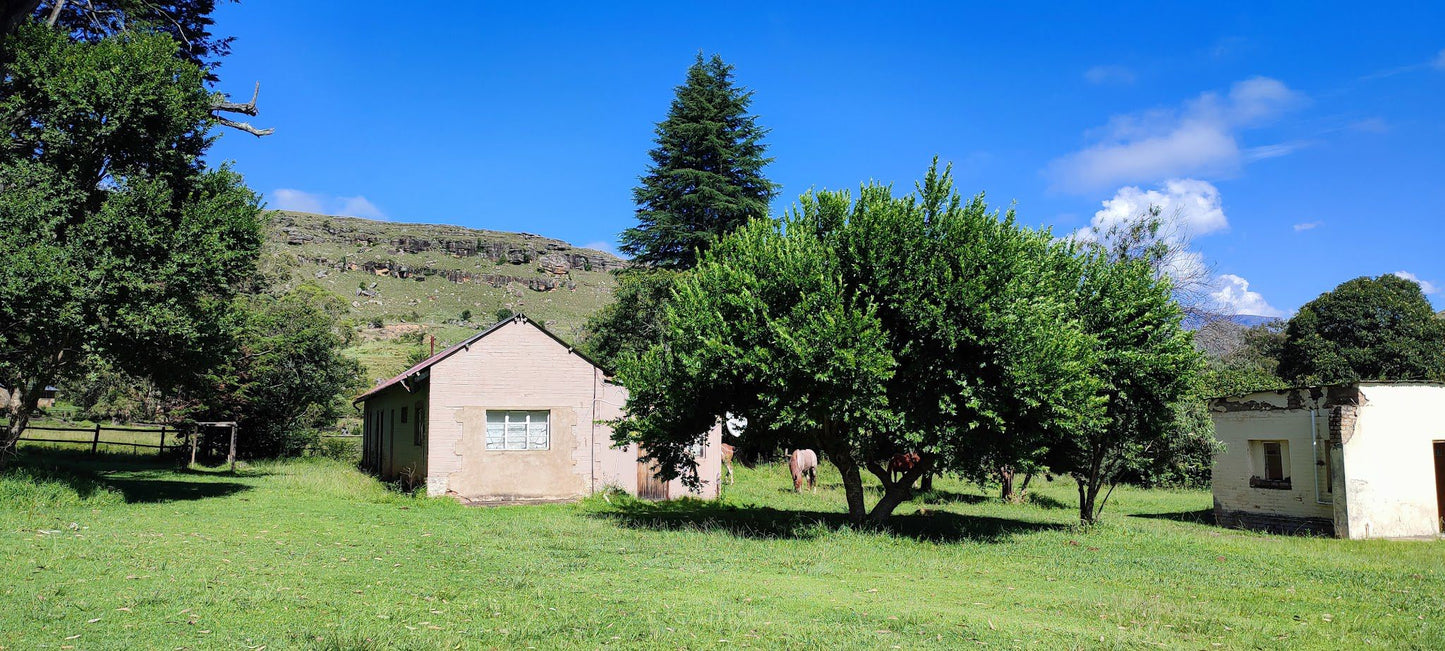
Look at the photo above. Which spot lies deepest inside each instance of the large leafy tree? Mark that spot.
(1366, 329)
(118, 241)
(286, 375)
(867, 329)
(1147, 366)
(706, 177)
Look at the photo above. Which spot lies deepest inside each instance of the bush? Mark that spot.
(504, 313)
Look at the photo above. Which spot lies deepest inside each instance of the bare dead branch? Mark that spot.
(249, 108)
(244, 126)
(219, 103)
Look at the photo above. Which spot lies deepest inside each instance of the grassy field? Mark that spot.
(311, 554)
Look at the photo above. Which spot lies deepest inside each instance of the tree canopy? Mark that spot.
(706, 176)
(1366, 329)
(118, 240)
(871, 328)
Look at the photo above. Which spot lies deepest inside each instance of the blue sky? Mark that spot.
(1302, 145)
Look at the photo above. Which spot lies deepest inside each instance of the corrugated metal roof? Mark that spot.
(428, 362)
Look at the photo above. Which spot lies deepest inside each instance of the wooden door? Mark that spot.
(649, 487)
(1440, 482)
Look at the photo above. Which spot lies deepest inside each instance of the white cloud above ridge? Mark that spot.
(1200, 138)
(300, 201)
(1425, 285)
(1307, 226)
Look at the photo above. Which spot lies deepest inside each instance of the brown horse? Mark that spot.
(804, 465)
(727, 459)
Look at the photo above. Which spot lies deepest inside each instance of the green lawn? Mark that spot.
(108, 554)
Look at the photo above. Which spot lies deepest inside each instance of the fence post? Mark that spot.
(95, 442)
(195, 438)
(232, 456)
(163, 442)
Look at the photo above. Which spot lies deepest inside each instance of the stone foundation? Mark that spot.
(1275, 523)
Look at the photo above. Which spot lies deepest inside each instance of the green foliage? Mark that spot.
(1146, 365)
(286, 380)
(187, 22)
(706, 176)
(1252, 366)
(118, 242)
(466, 316)
(503, 314)
(632, 323)
(1366, 329)
(866, 329)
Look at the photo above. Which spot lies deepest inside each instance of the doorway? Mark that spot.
(649, 487)
(1440, 482)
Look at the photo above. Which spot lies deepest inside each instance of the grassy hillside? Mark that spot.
(312, 554)
(419, 278)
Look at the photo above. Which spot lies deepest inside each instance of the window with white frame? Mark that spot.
(518, 430)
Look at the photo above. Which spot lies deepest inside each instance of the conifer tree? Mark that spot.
(706, 177)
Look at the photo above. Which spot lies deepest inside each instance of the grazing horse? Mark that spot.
(804, 465)
(727, 459)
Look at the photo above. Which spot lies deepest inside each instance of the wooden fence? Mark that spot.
(136, 438)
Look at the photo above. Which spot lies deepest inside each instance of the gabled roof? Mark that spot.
(467, 343)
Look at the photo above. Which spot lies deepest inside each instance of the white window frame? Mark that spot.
(521, 430)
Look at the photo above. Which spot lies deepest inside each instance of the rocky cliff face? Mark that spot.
(427, 273)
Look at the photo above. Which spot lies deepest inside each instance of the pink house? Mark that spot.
(511, 413)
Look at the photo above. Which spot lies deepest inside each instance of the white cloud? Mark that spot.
(1370, 125)
(295, 200)
(1199, 138)
(358, 206)
(1109, 75)
(605, 247)
(1425, 285)
(1191, 205)
(1439, 61)
(1307, 226)
(1231, 295)
(298, 201)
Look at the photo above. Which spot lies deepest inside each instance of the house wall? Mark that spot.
(399, 455)
(1286, 416)
(519, 367)
(1389, 479)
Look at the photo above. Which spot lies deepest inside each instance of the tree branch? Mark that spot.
(54, 13)
(219, 103)
(243, 126)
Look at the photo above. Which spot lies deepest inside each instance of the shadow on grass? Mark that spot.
(760, 522)
(139, 480)
(1202, 516)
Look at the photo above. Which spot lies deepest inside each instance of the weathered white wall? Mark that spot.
(1269, 416)
(399, 452)
(519, 367)
(1389, 465)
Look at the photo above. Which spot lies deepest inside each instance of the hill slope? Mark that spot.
(403, 279)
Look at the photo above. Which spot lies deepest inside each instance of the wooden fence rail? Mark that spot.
(95, 440)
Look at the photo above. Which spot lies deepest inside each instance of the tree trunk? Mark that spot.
(895, 493)
(852, 484)
(926, 485)
(1006, 484)
(23, 400)
(1086, 500)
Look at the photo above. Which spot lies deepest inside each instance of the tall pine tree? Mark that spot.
(706, 177)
